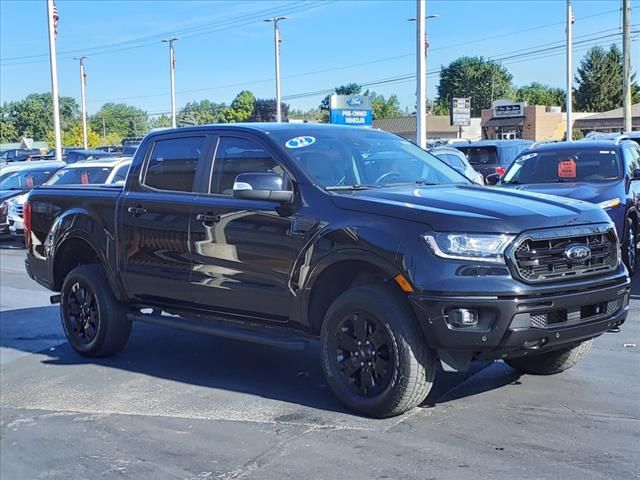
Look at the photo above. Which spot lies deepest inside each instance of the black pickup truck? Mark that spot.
(281, 234)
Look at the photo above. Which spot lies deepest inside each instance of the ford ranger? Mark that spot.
(281, 234)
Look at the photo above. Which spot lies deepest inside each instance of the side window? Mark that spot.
(121, 174)
(173, 163)
(632, 158)
(71, 157)
(454, 161)
(235, 156)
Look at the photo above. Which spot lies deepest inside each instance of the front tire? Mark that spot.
(629, 246)
(374, 355)
(94, 321)
(552, 362)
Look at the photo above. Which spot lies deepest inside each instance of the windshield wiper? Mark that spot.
(350, 187)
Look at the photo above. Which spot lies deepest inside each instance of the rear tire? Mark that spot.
(629, 246)
(94, 321)
(552, 362)
(392, 369)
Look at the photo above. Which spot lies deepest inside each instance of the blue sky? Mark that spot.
(224, 44)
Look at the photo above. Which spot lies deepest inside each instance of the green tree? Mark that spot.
(476, 77)
(385, 107)
(74, 137)
(33, 116)
(599, 81)
(264, 110)
(241, 108)
(313, 114)
(122, 119)
(203, 112)
(163, 121)
(348, 89)
(8, 132)
(538, 94)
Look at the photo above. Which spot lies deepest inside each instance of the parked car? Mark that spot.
(604, 172)
(108, 171)
(458, 160)
(74, 156)
(18, 155)
(492, 156)
(285, 233)
(110, 148)
(130, 149)
(20, 180)
(11, 168)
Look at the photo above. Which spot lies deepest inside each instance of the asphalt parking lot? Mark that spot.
(178, 405)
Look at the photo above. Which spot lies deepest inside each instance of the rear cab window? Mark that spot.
(173, 163)
(480, 156)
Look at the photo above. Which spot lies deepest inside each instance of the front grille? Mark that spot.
(540, 259)
(558, 318)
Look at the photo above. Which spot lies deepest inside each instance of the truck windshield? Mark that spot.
(81, 176)
(576, 165)
(343, 158)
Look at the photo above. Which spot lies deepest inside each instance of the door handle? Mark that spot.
(207, 219)
(136, 211)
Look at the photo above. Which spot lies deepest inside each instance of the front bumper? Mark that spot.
(508, 324)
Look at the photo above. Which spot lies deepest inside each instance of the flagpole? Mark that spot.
(569, 133)
(54, 79)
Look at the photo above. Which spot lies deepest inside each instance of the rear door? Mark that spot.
(155, 215)
(243, 250)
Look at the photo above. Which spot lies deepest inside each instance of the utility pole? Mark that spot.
(83, 85)
(570, 20)
(422, 52)
(421, 88)
(626, 52)
(172, 69)
(51, 13)
(277, 42)
(104, 130)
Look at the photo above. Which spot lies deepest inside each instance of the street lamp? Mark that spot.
(277, 41)
(83, 85)
(422, 47)
(172, 69)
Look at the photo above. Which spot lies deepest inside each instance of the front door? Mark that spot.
(155, 215)
(243, 250)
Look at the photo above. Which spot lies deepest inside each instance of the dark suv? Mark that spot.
(492, 156)
(603, 172)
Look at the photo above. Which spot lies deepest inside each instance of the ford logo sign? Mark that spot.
(354, 101)
(578, 253)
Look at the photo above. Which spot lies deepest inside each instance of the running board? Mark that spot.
(260, 336)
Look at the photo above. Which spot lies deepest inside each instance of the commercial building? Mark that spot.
(608, 122)
(437, 126)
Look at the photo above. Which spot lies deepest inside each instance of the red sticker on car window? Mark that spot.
(29, 181)
(567, 169)
(84, 178)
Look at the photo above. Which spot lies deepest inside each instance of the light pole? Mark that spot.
(172, 69)
(277, 41)
(626, 64)
(52, 18)
(83, 85)
(422, 48)
(569, 106)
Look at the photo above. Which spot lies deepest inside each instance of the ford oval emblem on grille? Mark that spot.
(578, 253)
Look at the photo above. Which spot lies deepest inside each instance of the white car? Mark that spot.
(107, 171)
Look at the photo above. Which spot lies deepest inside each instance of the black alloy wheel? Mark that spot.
(84, 317)
(364, 353)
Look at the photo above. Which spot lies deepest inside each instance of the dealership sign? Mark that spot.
(460, 112)
(509, 110)
(351, 110)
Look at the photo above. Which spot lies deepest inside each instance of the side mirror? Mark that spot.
(492, 179)
(636, 174)
(261, 186)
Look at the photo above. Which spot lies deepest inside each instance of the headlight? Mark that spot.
(614, 202)
(469, 246)
(4, 208)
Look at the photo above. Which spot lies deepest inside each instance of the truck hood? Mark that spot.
(471, 208)
(587, 191)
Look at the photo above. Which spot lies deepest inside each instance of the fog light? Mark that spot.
(462, 318)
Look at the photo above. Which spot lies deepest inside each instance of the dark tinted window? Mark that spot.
(173, 163)
(590, 165)
(235, 156)
(480, 155)
(81, 176)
